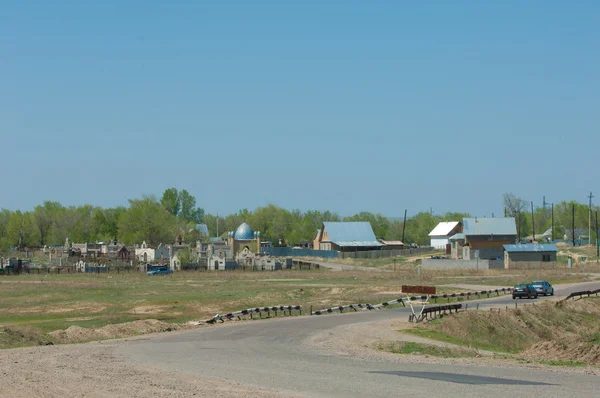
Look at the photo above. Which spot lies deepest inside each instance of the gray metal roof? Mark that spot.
(534, 247)
(457, 237)
(355, 234)
(489, 226)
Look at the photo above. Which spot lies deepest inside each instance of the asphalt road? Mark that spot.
(269, 354)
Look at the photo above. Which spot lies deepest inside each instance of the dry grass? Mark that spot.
(545, 331)
(47, 303)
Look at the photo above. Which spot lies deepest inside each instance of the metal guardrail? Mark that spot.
(438, 310)
(405, 300)
(582, 293)
(257, 310)
(358, 306)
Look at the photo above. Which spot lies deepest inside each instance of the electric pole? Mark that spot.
(404, 226)
(573, 223)
(532, 224)
(552, 222)
(597, 243)
(590, 221)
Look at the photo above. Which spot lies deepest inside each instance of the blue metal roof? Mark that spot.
(532, 247)
(244, 232)
(203, 229)
(357, 234)
(457, 237)
(489, 226)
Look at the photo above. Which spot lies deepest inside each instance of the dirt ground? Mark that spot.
(362, 339)
(95, 370)
(76, 334)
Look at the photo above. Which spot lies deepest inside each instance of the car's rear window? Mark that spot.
(521, 286)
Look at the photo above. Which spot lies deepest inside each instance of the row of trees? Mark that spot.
(176, 216)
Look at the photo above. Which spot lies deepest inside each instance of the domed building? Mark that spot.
(242, 238)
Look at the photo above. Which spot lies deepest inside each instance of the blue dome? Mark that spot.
(244, 232)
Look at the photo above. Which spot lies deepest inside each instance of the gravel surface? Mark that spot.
(96, 370)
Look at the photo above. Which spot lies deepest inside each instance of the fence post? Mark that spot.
(311, 311)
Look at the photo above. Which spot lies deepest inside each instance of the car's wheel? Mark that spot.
(552, 294)
(514, 297)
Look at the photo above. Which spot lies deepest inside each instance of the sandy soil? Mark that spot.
(95, 370)
(361, 340)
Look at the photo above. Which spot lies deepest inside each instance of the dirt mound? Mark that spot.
(11, 336)
(76, 334)
(545, 331)
(575, 350)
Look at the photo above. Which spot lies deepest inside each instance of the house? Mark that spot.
(440, 236)
(317, 239)
(457, 242)
(347, 236)
(530, 256)
(485, 238)
(391, 244)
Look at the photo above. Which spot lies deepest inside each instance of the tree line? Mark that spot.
(175, 217)
(540, 220)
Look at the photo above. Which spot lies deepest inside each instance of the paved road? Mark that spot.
(268, 354)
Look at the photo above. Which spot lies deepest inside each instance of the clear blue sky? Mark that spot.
(342, 105)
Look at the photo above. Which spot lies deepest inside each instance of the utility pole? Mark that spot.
(597, 243)
(590, 221)
(532, 224)
(217, 225)
(518, 226)
(552, 222)
(573, 223)
(404, 226)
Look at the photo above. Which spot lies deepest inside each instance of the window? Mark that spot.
(545, 258)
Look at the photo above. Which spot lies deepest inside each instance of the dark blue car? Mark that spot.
(159, 271)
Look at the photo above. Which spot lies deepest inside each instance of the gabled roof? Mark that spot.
(443, 228)
(458, 236)
(359, 234)
(489, 226)
(530, 248)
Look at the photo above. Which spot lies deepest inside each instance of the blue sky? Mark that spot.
(342, 105)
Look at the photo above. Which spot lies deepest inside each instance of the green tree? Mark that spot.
(171, 201)
(45, 217)
(20, 230)
(147, 220)
(4, 239)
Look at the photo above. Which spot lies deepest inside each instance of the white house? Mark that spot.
(440, 236)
